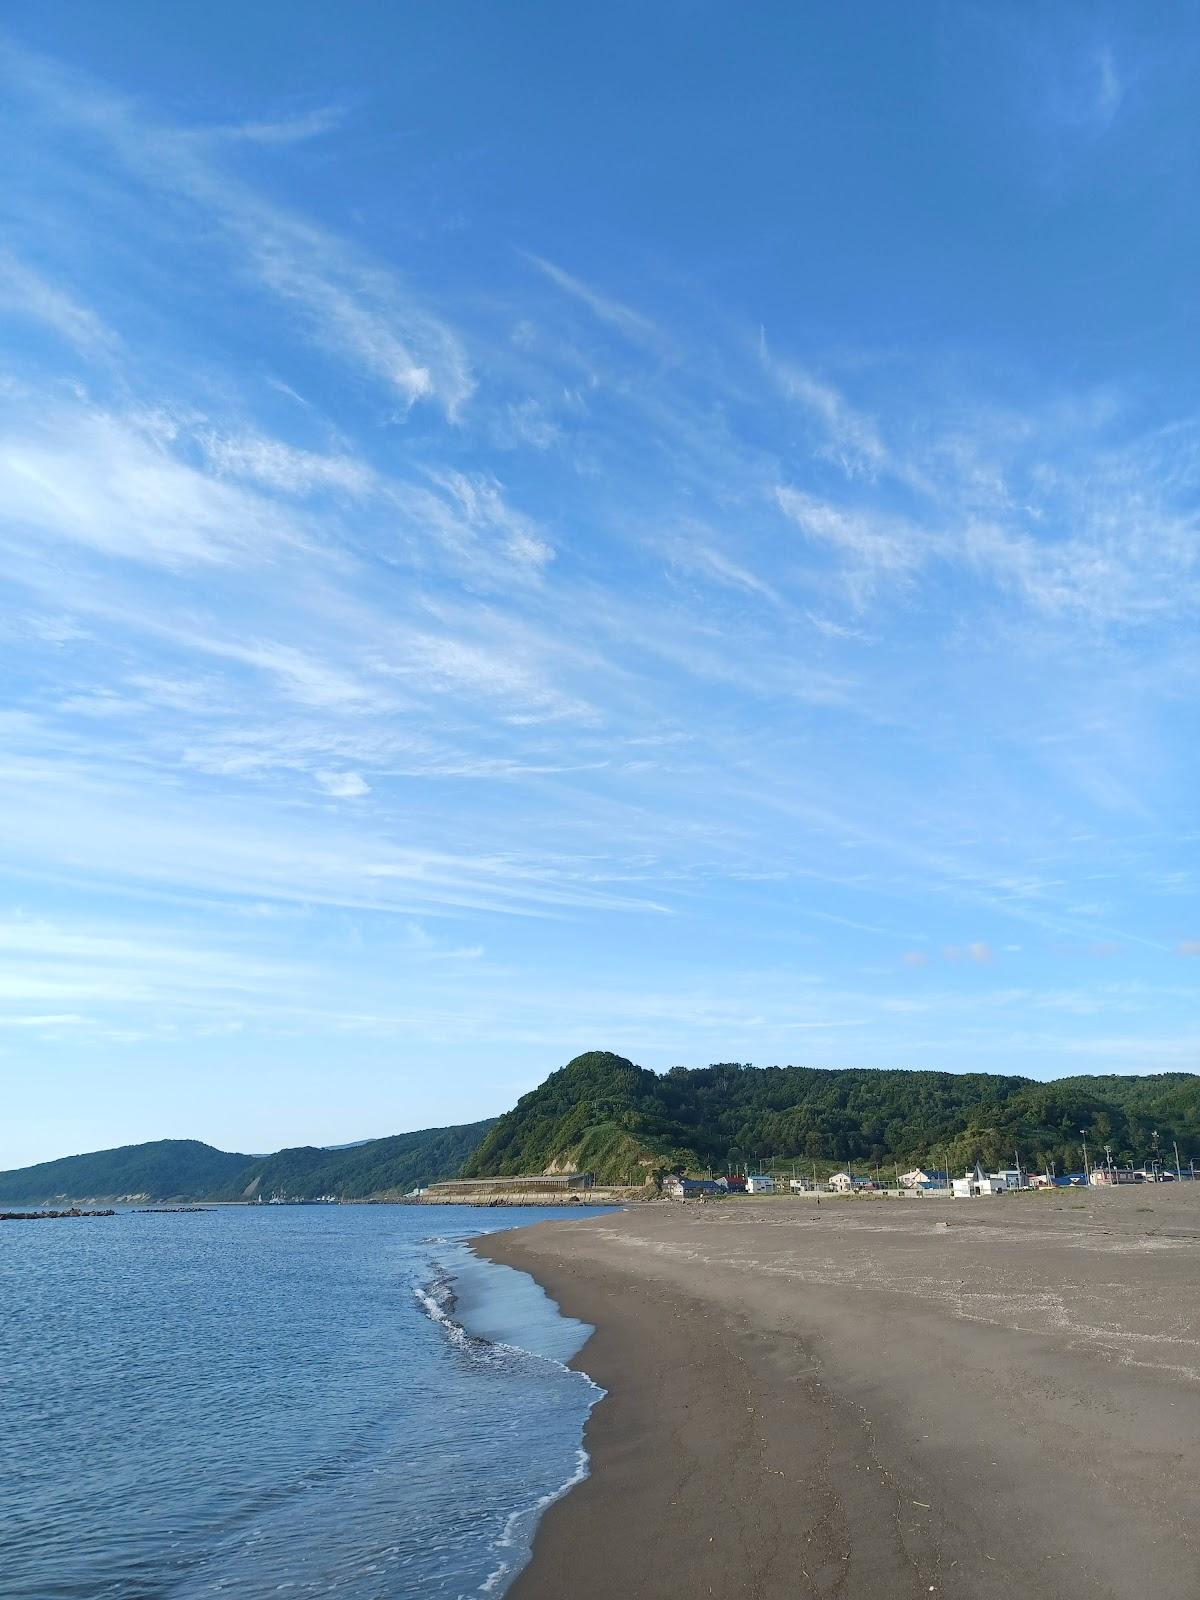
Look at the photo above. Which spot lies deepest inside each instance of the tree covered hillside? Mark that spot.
(184, 1169)
(597, 1114)
(604, 1114)
(381, 1168)
(165, 1169)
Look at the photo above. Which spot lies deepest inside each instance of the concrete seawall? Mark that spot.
(597, 1195)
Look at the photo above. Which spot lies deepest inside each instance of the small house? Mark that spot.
(923, 1178)
(977, 1183)
(678, 1188)
(760, 1183)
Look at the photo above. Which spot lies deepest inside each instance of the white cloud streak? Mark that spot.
(27, 293)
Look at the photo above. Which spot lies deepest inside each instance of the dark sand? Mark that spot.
(895, 1398)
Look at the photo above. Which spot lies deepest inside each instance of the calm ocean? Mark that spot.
(275, 1400)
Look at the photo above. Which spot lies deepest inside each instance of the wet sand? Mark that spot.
(881, 1396)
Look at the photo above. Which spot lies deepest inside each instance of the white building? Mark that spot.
(760, 1183)
(841, 1183)
(977, 1183)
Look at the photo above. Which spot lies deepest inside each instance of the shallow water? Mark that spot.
(284, 1401)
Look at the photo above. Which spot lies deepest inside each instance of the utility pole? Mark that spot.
(1087, 1177)
(1178, 1174)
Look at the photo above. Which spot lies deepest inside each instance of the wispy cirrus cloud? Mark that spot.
(111, 483)
(354, 308)
(25, 292)
(697, 549)
(849, 439)
(277, 465)
(873, 546)
(283, 130)
(615, 313)
(843, 662)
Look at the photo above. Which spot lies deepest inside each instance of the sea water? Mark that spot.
(277, 1401)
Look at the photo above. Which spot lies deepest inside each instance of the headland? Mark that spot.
(974, 1398)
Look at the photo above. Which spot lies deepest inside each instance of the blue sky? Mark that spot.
(527, 530)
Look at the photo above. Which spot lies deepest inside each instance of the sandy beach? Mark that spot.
(902, 1398)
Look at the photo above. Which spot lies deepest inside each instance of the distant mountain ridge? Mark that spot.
(601, 1113)
(187, 1170)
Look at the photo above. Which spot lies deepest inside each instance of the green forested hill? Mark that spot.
(381, 1167)
(184, 1169)
(166, 1169)
(601, 1113)
(597, 1114)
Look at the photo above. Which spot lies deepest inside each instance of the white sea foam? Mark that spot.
(433, 1308)
(530, 1515)
(436, 1298)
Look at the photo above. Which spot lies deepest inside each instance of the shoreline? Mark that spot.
(999, 1394)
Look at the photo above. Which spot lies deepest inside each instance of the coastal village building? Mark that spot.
(843, 1182)
(760, 1183)
(919, 1178)
(977, 1183)
(678, 1188)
